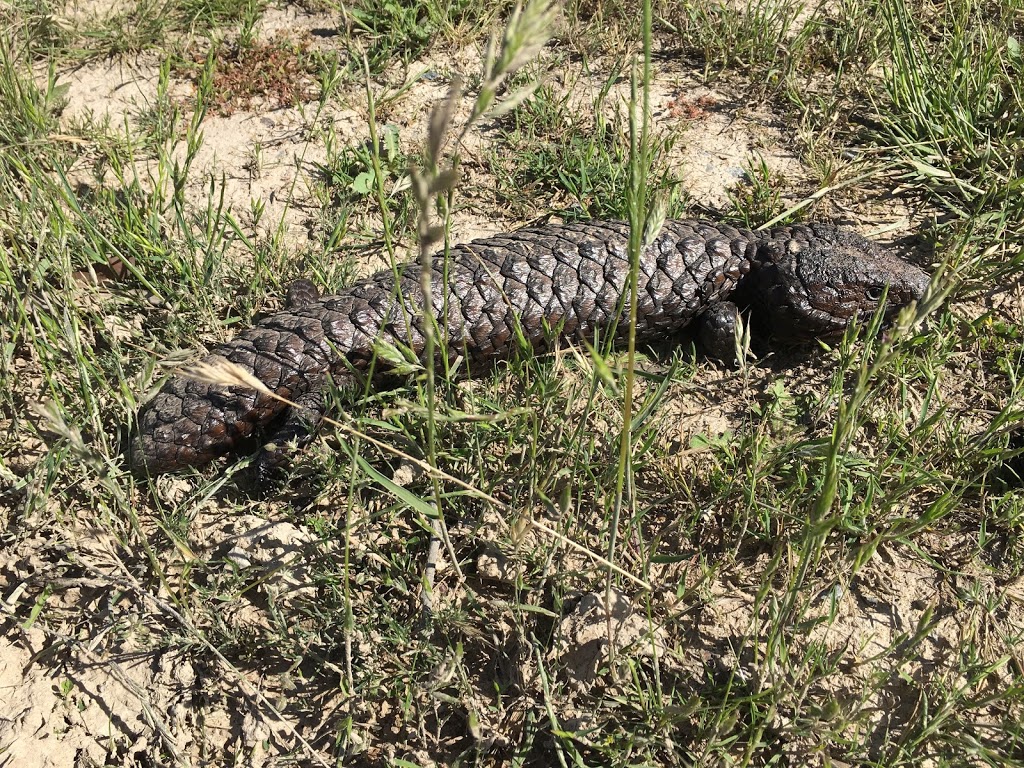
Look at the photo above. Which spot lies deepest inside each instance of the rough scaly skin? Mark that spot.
(801, 281)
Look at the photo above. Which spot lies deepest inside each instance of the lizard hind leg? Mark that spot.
(294, 432)
(299, 424)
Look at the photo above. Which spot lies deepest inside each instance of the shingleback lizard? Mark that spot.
(557, 282)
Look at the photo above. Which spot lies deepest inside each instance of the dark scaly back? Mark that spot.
(572, 279)
(801, 280)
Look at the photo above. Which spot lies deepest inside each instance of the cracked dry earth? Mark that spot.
(118, 674)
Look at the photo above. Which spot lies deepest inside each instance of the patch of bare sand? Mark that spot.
(267, 164)
(113, 91)
(90, 705)
(98, 680)
(292, 19)
(597, 625)
(72, 699)
(718, 140)
(80, 11)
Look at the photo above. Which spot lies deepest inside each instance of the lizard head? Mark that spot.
(814, 280)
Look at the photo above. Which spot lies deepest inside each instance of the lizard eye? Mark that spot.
(874, 292)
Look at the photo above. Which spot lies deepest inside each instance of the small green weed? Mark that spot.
(130, 29)
(761, 36)
(351, 180)
(573, 159)
(387, 31)
(204, 16)
(757, 198)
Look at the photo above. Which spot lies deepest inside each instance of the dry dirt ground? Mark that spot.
(106, 694)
